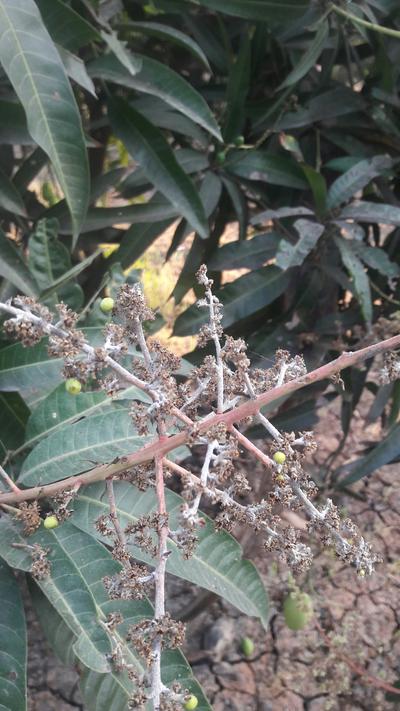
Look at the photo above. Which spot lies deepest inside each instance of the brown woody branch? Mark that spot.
(251, 407)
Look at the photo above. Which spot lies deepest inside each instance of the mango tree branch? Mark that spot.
(249, 408)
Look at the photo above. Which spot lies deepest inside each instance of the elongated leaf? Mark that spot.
(128, 60)
(14, 415)
(80, 446)
(98, 218)
(48, 260)
(317, 184)
(281, 212)
(76, 70)
(159, 80)
(10, 199)
(240, 299)
(13, 647)
(355, 267)
(136, 240)
(152, 152)
(60, 282)
(69, 551)
(385, 452)
(372, 212)
(251, 253)
(165, 32)
(356, 179)
(13, 267)
(37, 74)
(236, 93)
(260, 165)
(377, 258)
(59, 409)
(309, 58)
(259, 9)
(66, 26)
(289, 255)
(239, 204)
(216, 564)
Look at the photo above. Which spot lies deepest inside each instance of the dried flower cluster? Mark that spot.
(223, 382)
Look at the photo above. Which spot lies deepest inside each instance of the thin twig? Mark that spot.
(9, 481)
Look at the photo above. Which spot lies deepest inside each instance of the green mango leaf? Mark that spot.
(13, 645)
(129, 61)
(14, 415)
(236, 93)
(265, 10)
(49, 260)
(136, 240)
(241, 298)
(10, 199)
(356, 178)
(377, 258)
(66, 26)
(372, 212)
(239, 204)
(37, 74)
(70, 551)
(76, 70)
(165, 32)
(249, 254)
(385, 452)
(14, 269)
(261, 165)
(98, 218)
(216, 564)
(59, 408)
(79, 446)
(290, 255)
(309, 58)
(159, 80)
(360, 282)
(152, 152)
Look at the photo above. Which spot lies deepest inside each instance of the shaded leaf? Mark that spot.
(159, 80)
(249, 254)
(385, 452)
(356, 178)
(261, 165)
(377, 258)
(240, 299)
(10, 199)
(236, 93)
(129, 61)
(360, 284)
(280, 213)
(372, 212)
(13, 645)
(66, 26)
(156, 29)
(13, 267)
(37, 74)
(157, 159)
(289, 255)
(309, 58)
(76, 70)
(259, 9)
(48, 260)
(14, 415)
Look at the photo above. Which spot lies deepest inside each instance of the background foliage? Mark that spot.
(279, 117)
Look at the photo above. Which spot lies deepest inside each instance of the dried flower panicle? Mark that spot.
(29, 514)
(223, 380)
